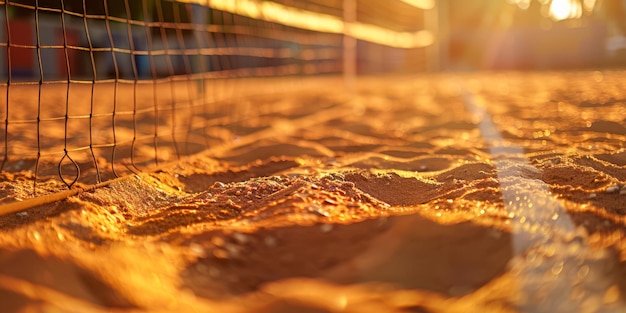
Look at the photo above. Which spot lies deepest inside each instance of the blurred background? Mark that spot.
(532, 34)
(403, 36)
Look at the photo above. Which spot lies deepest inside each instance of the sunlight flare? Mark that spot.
(290, 16)
(421, 4)
(565, 9)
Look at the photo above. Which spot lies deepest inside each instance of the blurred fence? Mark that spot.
(98, 88)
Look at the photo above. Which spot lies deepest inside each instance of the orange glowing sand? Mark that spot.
(493, 192)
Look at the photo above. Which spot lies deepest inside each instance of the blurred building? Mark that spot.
(532, 34)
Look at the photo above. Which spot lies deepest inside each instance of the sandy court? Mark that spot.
(488, 192)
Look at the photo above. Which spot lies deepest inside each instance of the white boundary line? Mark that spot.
(556, 270)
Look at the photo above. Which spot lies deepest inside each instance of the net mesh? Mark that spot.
(95, 89)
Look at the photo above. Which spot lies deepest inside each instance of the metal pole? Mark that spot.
(442, 36)
(433, 53)
(349, 44)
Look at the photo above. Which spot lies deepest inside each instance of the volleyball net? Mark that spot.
(94, 89)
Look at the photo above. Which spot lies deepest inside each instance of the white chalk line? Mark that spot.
(556, 269)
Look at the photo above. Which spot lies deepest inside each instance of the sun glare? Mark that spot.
(291, 16)
(565, 9)
(421, 4)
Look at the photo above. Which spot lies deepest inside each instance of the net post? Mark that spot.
(349, 45)
(443, 34)
(431, 21)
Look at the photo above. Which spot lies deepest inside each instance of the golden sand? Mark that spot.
(493, 192)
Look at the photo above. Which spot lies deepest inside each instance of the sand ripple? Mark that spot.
(401, 198)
